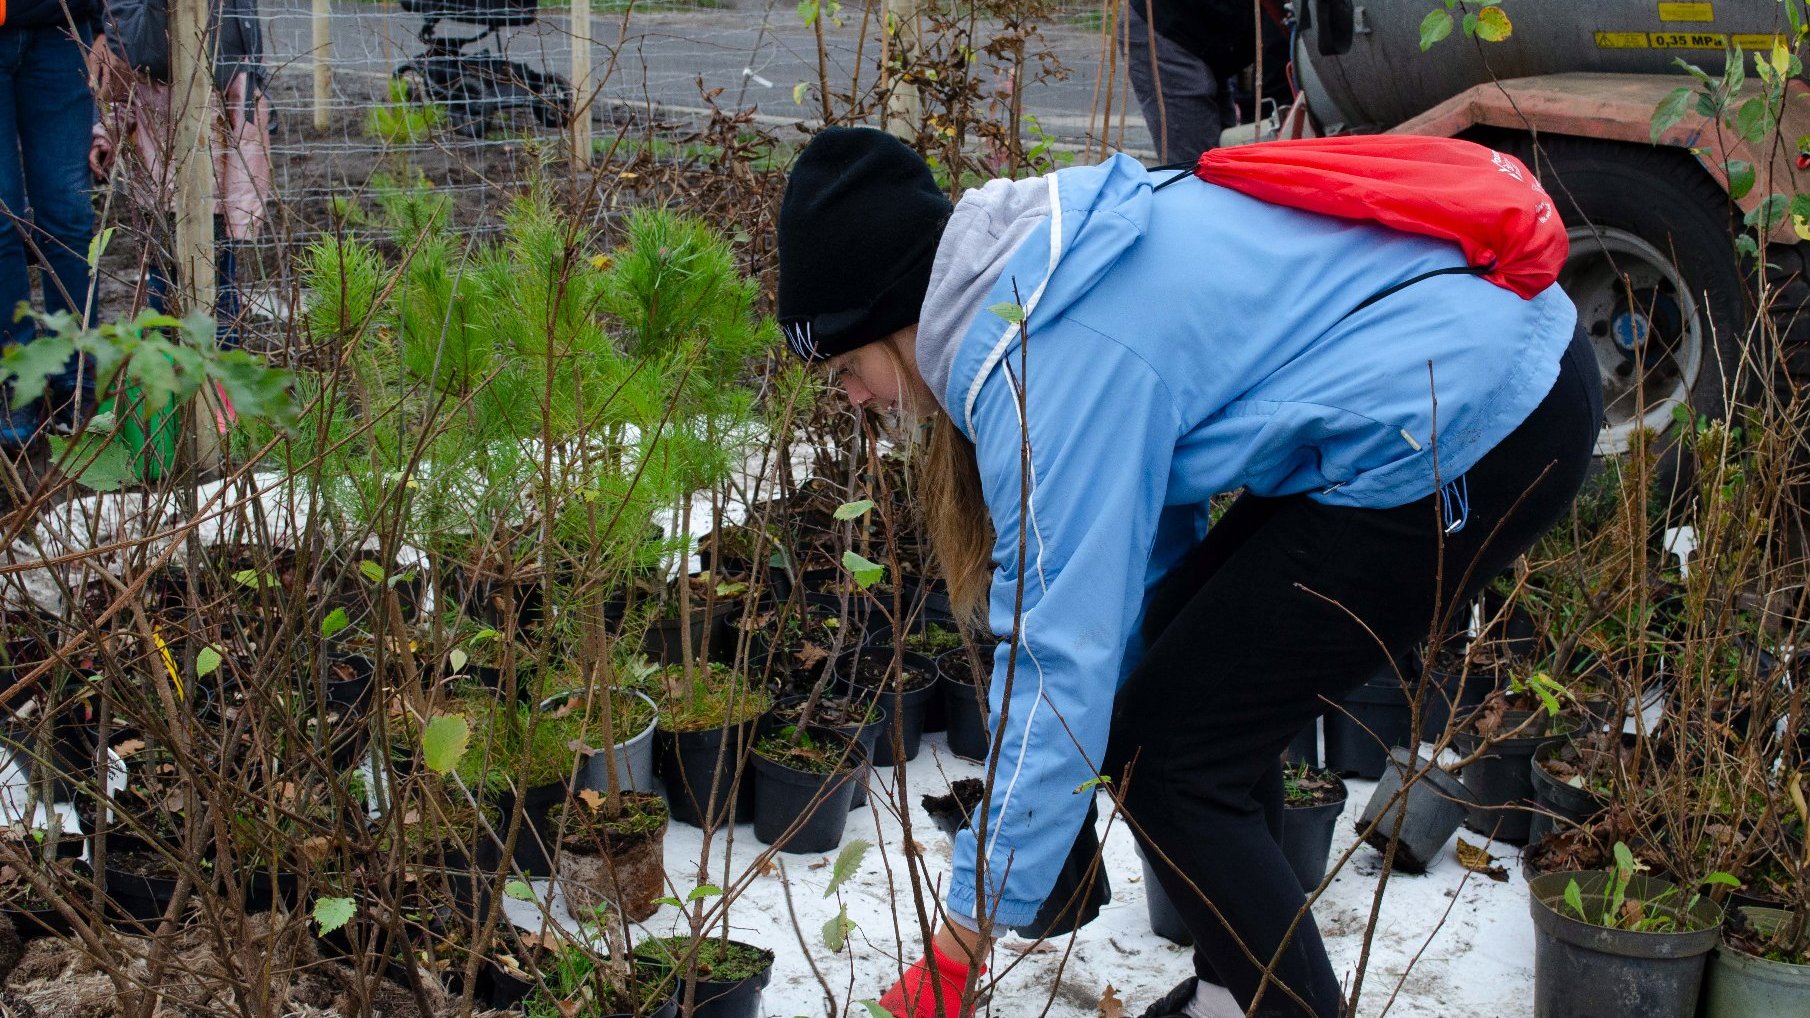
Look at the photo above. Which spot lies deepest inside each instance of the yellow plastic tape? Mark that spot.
(169, 663)
(1621, 40)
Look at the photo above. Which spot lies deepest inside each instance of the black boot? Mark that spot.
(1170, 1006)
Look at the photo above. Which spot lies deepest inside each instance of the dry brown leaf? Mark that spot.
(810, 654)
(1478, 860)
(317, 847)
(128, 747)
(1033, 947)
(1110, 1004)
(766, 868)
(546, 941)
(821, 863)
(592, 798)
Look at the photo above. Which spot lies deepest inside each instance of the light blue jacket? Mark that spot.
(1183, 343)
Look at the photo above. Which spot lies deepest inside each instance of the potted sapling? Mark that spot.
(1572, 783)
(706, 731)
(721, 978)
(963, 673)
(1761, 969)
(520, 755)
(1499, 741)
(1312, 800)
(804, 785)
(612, 852)
(624, 718)
(1618, 942)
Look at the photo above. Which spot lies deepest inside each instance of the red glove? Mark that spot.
(913, 997)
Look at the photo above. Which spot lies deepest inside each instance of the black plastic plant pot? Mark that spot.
(800, 811)
(262, 894)
(1429, 813)
(1452, 694)
(866, 734)
(966, 717)
(1304, 748)
(905, 710)
(688, 764)
(738, 999)
(39, 922)
(138, 898)
(1371, 720)
(665, 641)
(1558, 801)
(1307, 838)
(1583, 970)
(1742, 985)
(535, 839)
(1501, 780)
(1165, 921)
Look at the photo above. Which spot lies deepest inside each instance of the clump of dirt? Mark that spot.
(952, 812)
(276, 957)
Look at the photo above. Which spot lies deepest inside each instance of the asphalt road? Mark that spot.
(748, 49)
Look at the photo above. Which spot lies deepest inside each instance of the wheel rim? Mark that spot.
(1644, 325)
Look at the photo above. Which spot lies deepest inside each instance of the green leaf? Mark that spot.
(1753, 121)
(1092, 783)
(457, 659)
(443, 742)
(1008, 311)
(30, 366)
(874, 1010)
(520, 890)
(254, 579)
(96, 460)
(1624, 857)
(800, 92)
(207, 662)
(847, 862)
(702, 891)
(836, 931)
(1470, 25)
(1434, 27)
(97, 246)
(866, 573)
(1722, 879)
(850, 510)
(371, 570)
(669, 900)
(333, 913)
(808, 11)
(1670, 110)
(335, 621)
(1574, 899)
(1740, 178)
(1768, 213)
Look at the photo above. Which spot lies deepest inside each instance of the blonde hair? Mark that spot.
(955, 506)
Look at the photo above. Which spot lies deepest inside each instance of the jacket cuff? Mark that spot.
(1006, 912)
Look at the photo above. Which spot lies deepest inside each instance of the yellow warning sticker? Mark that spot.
(1687, 12)
(1621, 40)
(1688, 40)
(1763, 43)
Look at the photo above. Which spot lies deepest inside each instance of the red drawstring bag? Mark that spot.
(1486, 201)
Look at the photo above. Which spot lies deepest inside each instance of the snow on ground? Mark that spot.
(1479, 962)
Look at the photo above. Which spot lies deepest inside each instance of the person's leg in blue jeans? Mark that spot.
(46, 116)
(228, 302)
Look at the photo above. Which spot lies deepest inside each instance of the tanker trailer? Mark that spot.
(1654, 271)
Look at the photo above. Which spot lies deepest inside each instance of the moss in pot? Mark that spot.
(729, 974)
(804, 782)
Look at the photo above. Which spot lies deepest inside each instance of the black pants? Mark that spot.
(1253, 635)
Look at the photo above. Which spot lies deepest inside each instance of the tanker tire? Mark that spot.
(1662, 197)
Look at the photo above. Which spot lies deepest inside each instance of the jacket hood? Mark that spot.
(1015, 235)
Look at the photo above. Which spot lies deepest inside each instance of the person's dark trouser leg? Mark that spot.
(16, 425)
(1269, 638)
(1191, 115)
(53, 115)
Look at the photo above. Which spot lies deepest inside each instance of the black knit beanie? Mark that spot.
(858, 230)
